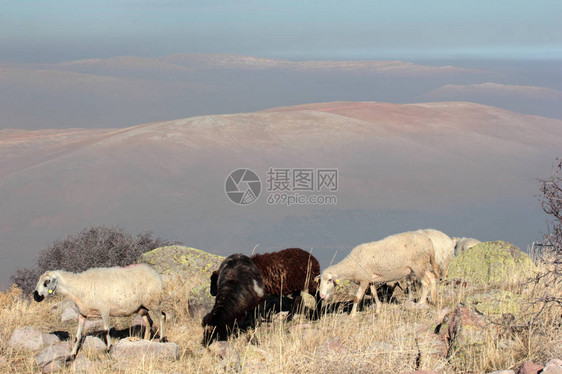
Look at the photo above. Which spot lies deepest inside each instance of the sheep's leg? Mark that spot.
(106, 328)
(81, 322)
(162, 317)
(376, 297)
(358, 296)
(433, 285)
(148, 324)
(428, 284)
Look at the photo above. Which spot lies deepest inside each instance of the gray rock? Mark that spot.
(200, 302)
(63, 305)
(553, 366)
(69, 314)
(84, 365)
(28, 338)
(52, 358)
(530, 368)
(128, 349)
(93, 343)
(93, 325)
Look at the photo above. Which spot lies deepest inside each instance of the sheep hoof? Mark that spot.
(71, 358)
(164, 340)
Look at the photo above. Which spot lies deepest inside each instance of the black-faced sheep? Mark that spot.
(390, 259)
(105, 292)
(238, 287)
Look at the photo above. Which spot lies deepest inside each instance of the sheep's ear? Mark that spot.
(317, 279)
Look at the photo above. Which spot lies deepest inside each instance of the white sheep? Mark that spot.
(465, 243)
(390, 259)
(444, 247)
(105, 292)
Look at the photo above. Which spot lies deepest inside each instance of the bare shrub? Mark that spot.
(550, 249)
(98, 246)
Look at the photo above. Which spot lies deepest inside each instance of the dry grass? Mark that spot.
(396, 339)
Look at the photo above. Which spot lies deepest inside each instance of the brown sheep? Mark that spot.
(288, 272)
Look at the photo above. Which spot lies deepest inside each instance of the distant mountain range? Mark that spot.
(465, 168)
(127, 90)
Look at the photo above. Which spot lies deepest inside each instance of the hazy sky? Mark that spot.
(40, 30)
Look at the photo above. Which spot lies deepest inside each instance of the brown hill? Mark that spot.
(436, 163)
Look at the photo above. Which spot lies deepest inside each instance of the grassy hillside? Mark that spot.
(400, 338)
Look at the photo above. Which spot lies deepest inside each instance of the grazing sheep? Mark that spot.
(238, 287)
(288, 272)
(105, 292)
(444, 248)
(465, 243)
(390, 259)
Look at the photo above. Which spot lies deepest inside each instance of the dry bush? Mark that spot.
(99, 246)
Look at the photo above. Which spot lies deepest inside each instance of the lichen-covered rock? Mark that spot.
(186, 261)
(495, 302)
(200, 302)
(180, 265)
(496, 262)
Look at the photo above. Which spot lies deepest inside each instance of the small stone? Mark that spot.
(553, 366)
(94, 343)
(502, 372)
(52, 367)
(63, 305)
(530, 368)
(69, 314)
(84, 365)
(52, 358)
(93, 325)
(3, 361)
(133, 350)
(28, 338)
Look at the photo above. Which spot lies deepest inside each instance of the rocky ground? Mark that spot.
(482, 322)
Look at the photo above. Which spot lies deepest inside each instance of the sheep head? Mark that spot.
(46, 286)
(328, 282)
